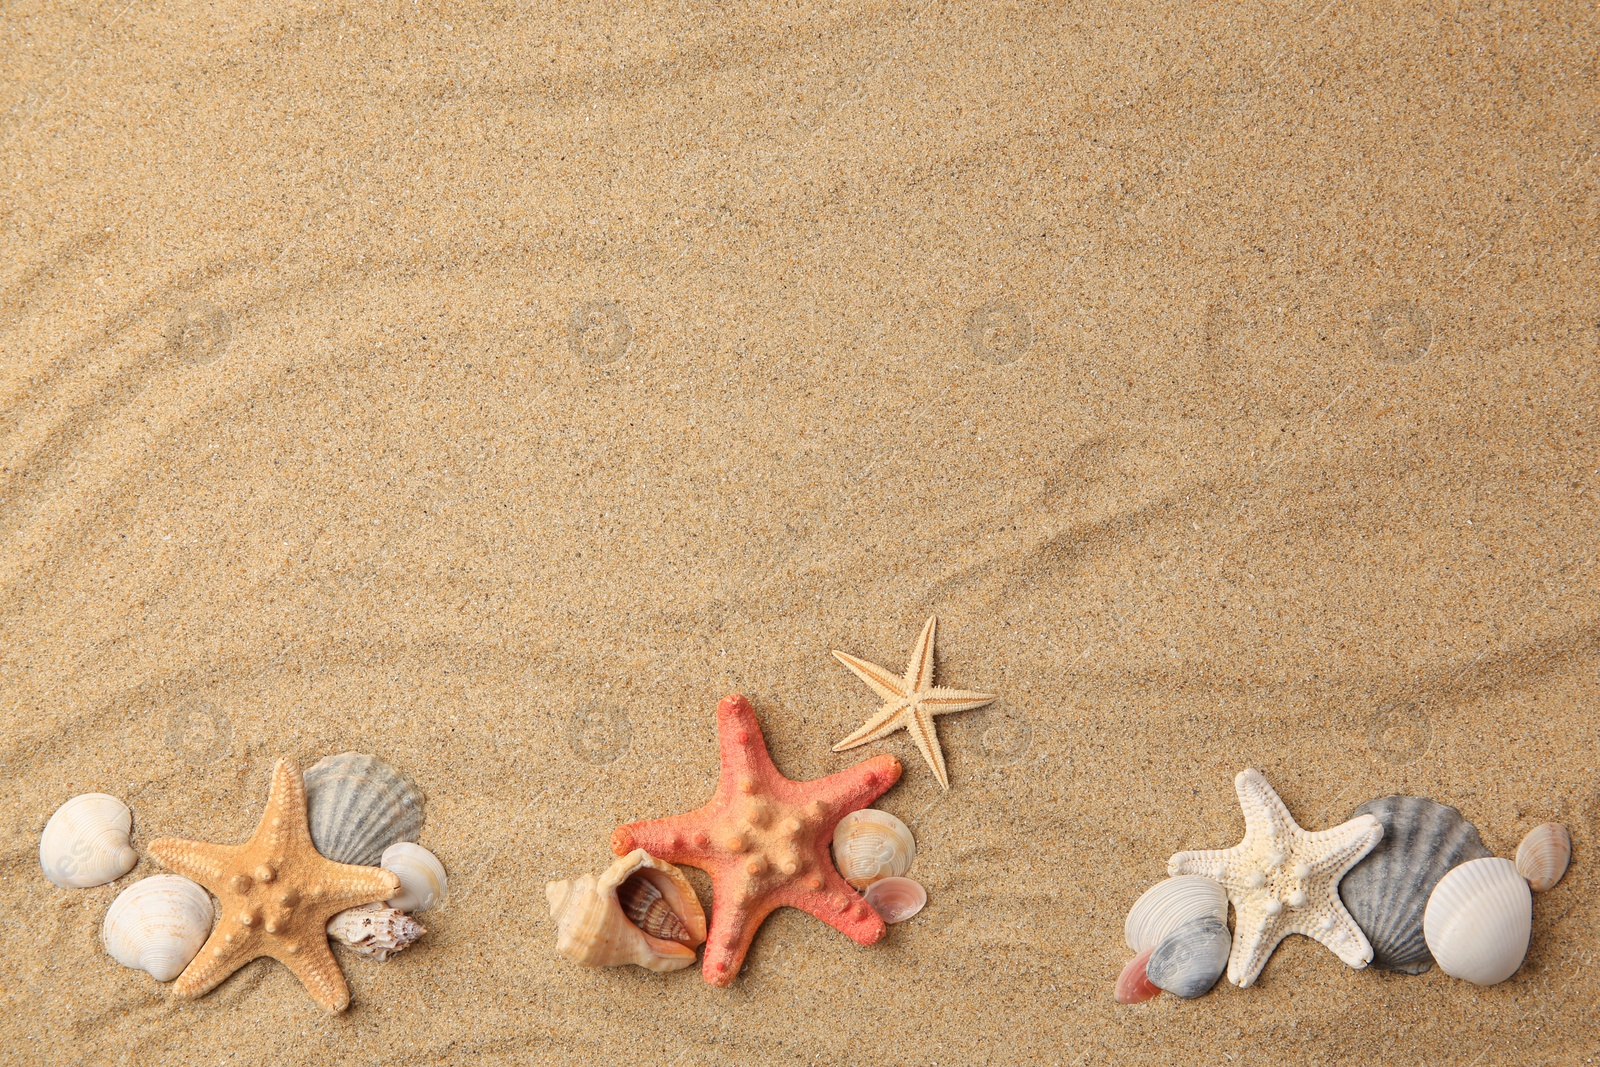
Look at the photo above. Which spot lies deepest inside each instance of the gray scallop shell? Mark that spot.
(1387, 892)
(358, 806)
(1189, 960)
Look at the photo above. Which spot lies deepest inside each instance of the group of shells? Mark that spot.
(361, 811)
(1429, 892)
(643, 911)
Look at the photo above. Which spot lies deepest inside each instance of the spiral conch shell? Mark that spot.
(85, 843)
(640, 910)
(870, 845)
(157, 925)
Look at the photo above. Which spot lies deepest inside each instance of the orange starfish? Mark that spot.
(764, 840)
(275, 894)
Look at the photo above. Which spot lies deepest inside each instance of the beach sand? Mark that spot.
(496, 389)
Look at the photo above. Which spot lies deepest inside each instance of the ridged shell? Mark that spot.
(869, 845)
(1543, 856)
(422, 880)
(374, 930)
(1169, 904)
(896, 899)
(85, 843)
(358, 806)
(1133, 984)
(157, 925)
(1479, 920)
(593, 929)
(1189, 960)
(1387, 891)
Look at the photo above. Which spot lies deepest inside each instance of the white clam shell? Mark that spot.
(1543, 856)
(422, 881)
(157, 925)
(85, 843)
(1169, 904)
(869, 845)
(1478, 921)
(896, 899)
(593, 929)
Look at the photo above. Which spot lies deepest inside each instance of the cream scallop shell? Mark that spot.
(593, 929)
(422, 881)
(1478, 921)
(869, 845)
(1543, 856)
(1169, 904)
(85, 843)
(157, 924)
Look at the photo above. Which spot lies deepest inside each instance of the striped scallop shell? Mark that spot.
(157, 925)
(85, 843)
(1479, 919)
(1543, 856)
(358, 806)
(1387, 891)
(1169, 904)
(870, 845)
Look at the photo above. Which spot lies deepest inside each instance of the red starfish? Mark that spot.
(764, 840)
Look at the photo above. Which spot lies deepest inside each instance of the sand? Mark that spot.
(495, 389)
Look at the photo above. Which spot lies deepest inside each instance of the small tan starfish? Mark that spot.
(275, 894)
(911, 701)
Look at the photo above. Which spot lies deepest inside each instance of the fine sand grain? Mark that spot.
(494, 389)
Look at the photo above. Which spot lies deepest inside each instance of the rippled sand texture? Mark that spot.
(497, 389)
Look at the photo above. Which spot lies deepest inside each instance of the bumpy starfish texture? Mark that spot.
(275, 894)
(764, 840)
(910, 701)
(1283, 880)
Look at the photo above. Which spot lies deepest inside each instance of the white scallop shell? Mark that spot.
(1169, 904)
(1543, 856)
(85, 843)
(1478, 921)
(896, 899)
(157, 924)
(422, 881)
(869, 845)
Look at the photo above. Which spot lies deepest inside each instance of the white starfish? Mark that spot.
(910, 701)
(1283, 880)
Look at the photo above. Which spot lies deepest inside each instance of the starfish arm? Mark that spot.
(851, 789)
(216, 960)
(919, 672)
(319, 972)
(739, 738)
(942, 701)
(1255, 936)
(1343, 846)
(347, 885)
(198, 861)
(677, 839)
(919, 724)
(882, 682)
(883, 723)
(1264, 812)
(1208, 863)
(735, 918)
(285, 818)
(840, 906)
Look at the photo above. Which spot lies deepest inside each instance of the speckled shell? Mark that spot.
(375, 930)
(157, 925)
(358, 806)
(592, 928)
(422, 880)
(1478, 921)
(1189, 960)
(869, 845)
(896, 899)
(1543, 856)
(1387, 891)
(85, 843)
(1169, 904)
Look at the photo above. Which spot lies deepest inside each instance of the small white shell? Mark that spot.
(157, 924)
(1169, 904)
(422, 881)
(896, 899)
(1543, 856)
(85, 843)
(1478, 921)
(870, 844)
(375, 931)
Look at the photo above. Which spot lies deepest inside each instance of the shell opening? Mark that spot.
(653, 903)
